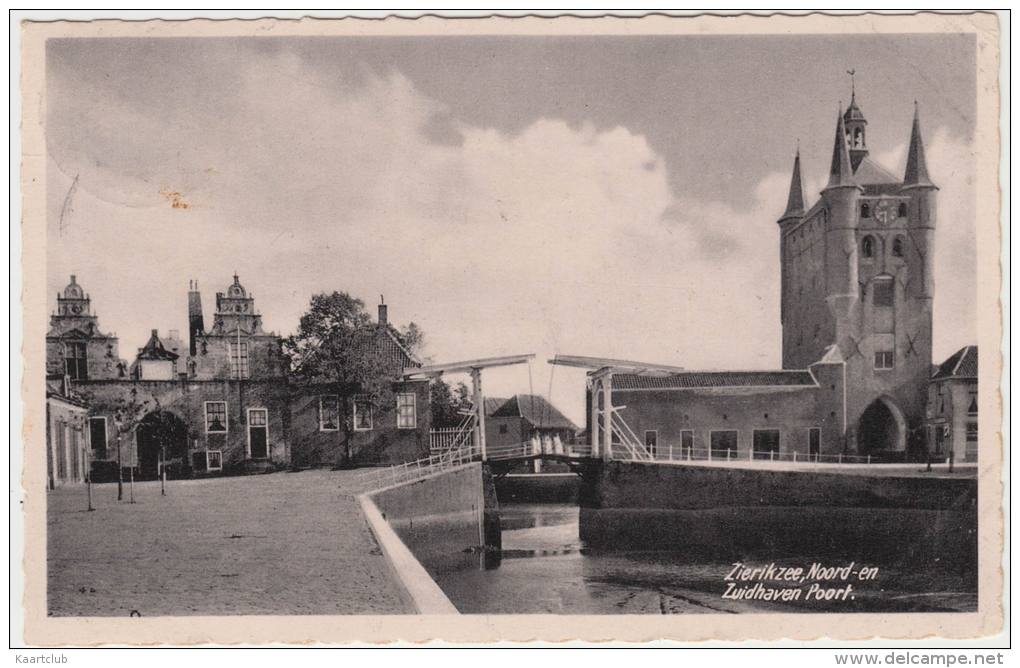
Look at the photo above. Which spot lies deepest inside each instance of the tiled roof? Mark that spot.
(535, 409)
(961, 364)
(699, 379)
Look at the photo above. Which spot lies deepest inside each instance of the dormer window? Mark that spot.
(865, 211)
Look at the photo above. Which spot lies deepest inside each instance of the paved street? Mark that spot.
(284, 543)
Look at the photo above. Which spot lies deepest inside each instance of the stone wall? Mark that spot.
(732, 513)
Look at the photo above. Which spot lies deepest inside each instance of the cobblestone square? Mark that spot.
(283, 543)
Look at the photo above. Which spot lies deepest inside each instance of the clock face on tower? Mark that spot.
(76, 308)
(885, 211)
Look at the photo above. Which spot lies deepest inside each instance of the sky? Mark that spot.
(602, 196)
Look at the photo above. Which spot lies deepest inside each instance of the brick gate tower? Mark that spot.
(857, 284)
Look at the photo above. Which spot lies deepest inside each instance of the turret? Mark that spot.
(841, 196)
(793, 214)
(856, 132)
(196, 322)
(921, 209)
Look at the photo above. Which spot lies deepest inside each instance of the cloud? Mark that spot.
(557, 238)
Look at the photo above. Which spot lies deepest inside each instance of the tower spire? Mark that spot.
(795, 200)
(841, 172)
(916, 173)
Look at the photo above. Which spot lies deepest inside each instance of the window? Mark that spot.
(213, 460)
(75, 360)
(902, 211)
(942, 400)
(868, 247)
(215, 417)
(884, 360)
(362, 414)
(972, 406)
(329, 413)
(406, 416)
(239, 359)
(865, 211)
(972, 431)
(97, 436)
(723, 443)
(883, 294)
(765, 443)
(897, 247)
(503, 429)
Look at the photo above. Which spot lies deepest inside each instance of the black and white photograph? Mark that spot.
(658, 327)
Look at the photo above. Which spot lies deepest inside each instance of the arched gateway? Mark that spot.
(161, 436)
(882, 428)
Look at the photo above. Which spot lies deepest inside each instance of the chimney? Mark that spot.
(196, 323)
(382, 311)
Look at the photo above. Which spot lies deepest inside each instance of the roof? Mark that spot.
(870, 172)
(841, 170)
(493, 404)
(72, 401)
(702, 379)
(853, 112)
(155, 350)
(961, 364)
(536, 410)
(795, 200)
(916, 173)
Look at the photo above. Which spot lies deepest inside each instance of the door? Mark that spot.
(814, 442)
(651, 442)
(258, 433)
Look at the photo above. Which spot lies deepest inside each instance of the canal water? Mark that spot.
(545, 568)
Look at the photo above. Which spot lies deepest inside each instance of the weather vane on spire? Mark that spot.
(852, 72)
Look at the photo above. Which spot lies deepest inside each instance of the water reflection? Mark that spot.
(544, 568)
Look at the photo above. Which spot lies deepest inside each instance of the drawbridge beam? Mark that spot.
(473, 367)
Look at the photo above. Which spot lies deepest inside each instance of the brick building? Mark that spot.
(856, 314)
(952, 410)
(226, 402)
(66, 439)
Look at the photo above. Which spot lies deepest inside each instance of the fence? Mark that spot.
(410, 471)
(676, 453)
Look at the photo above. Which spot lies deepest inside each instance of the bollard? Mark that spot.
(772, 455)
(869, 459)
(794, 456)
(727, 454)
(839, 459)
(750, 454)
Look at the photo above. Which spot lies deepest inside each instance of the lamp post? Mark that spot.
(88, 474)
(118, 422)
